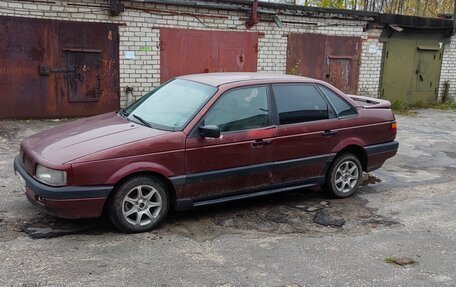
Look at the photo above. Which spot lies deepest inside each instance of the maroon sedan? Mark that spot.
(205, 139)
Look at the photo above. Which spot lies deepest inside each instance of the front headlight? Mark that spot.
(50, 176)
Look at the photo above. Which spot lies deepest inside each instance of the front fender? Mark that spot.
(139, 167)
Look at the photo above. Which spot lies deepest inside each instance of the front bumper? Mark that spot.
(66, 201)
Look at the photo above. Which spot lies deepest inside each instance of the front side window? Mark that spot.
(340, 106)
(240, 109)
(172, 105)
(297, 103)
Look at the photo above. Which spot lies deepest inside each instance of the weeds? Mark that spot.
(400, 107)
(389, 260)
(401, 261)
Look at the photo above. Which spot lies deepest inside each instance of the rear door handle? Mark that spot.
(260, 143)
(329, 133)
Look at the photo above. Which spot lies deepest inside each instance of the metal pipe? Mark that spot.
(254, 19)
(446, 92)
(199, 4)
(168, 12)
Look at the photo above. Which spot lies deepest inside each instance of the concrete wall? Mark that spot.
(140, 29)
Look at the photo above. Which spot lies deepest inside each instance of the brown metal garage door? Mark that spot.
(57, 68)
(332, 59)
(186, 51)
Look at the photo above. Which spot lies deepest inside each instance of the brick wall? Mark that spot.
(448, 72)
(371, 64)
(139, 33)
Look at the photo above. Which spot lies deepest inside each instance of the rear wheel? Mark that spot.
(344, 176)
(139, 204)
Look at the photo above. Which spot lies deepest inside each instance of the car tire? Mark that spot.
(139, 204)
(344, 177)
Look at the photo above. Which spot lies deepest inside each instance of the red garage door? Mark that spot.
(333, 59)
(186, 51)
(54, 68)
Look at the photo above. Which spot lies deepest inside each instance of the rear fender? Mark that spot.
(347, 142)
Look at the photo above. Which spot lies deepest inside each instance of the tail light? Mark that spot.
(393, 129)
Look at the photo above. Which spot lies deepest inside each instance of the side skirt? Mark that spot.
(188, 203)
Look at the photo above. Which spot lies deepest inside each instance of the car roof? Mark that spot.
(218, 79)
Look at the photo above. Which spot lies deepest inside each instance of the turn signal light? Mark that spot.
(393, 129)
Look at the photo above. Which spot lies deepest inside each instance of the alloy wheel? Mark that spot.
(346, 176)
(141, 205)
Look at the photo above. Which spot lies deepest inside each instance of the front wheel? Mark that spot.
(139, 204)
(344, 176)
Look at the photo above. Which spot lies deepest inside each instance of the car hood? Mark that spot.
(70, 141)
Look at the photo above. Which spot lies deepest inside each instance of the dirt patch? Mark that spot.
(278, 214)
(50, 227)
(328, 218)
(370, 179)
(45, 226)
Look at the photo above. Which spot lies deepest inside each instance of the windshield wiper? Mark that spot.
(143, 121)
(123, 113)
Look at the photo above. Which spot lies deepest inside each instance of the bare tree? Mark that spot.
(424, 8)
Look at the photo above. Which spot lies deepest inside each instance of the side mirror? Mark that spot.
(209, 131)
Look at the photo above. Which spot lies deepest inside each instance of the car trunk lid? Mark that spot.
(371, 103)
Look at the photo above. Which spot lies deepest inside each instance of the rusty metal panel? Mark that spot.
(235, 51)
(90, 38)
(185, 51)
(4, 99)
(339, 71)
(42, 74)
(333, 59)
(306, 55)
(24, 93)
(344, 54)
(83, 81)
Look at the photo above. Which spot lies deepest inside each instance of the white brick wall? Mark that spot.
(448, 72)
(371, 64)
(140, 29)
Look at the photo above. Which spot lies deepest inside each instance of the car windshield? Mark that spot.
(170, 106)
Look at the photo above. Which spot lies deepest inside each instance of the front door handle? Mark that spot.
(260, 143)
(329, 133)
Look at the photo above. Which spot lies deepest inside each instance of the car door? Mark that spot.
(307, 133)
(241, 158)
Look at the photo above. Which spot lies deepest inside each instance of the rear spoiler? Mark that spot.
(371, 103)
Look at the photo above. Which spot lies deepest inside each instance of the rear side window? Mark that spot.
(340, 106)
(297, 103)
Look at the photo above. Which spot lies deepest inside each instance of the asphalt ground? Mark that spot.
(407, 209)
